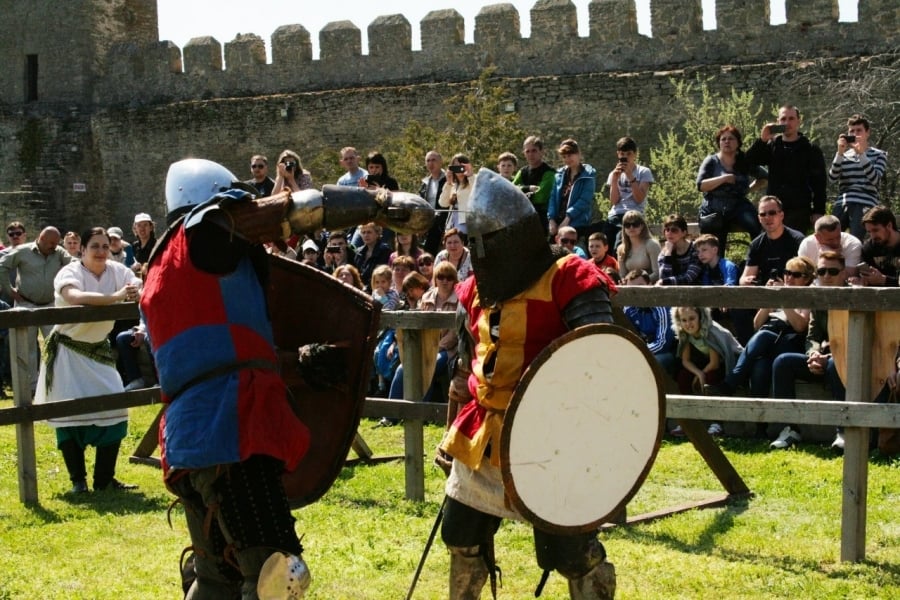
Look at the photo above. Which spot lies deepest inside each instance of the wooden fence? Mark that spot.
(856, 415)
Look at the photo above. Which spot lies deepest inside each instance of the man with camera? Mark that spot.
(796, 168)
(857, 168)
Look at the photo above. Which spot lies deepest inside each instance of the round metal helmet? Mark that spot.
(507, 242)
(283, 577)
(193, 181)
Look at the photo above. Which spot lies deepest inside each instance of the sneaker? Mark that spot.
(714, 429)
(136, 384)
(677, 432)
(838, 443)
(787, 438)
(386, 422)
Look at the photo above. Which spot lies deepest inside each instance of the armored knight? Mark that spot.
(229, 432)
(520, 300)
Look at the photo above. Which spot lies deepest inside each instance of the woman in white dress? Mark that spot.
(77, 362)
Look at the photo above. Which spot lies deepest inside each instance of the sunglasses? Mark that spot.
(567, 241)
(631, 225)
(425, 263)
(769, 213)
(257, 166)
(832, 271)
(15, 233)
(444, 278)
(795, 274)
(672, 228)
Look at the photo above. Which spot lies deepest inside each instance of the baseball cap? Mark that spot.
(141, 217)
(115, 232)
(309, 245)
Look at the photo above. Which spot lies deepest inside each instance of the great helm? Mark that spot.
(193, 181)
(507, 242)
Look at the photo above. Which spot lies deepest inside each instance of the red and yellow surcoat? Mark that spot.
(528, 322)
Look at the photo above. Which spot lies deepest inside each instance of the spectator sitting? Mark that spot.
(725, 178)
(128, 347)
(337, 252)
(425, 264)
(310, 253)
(653, 324)
(291, 175)
(567, 237)
(678, 262)
(144, 230)
(777, 331)
(72, 244)
(456, 253)
(507, 163)
(827, 235)
(372, 253)
(714, 270)
(638, 250)
(881, 251)
(405, 244)
(382, 290)
(5, 367)
(119, 250)
(403, 266)
(413, 288)
(349, 275)
(707, 352)
(817, 363)
(598, 248)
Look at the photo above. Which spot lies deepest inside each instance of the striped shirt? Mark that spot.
(858, 176)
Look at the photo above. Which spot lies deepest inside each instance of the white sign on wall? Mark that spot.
(79, 187)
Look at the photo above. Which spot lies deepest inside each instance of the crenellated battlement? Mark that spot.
(204, 68)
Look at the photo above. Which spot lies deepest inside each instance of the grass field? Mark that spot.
(363, 540)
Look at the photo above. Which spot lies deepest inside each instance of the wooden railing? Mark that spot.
(856, 415)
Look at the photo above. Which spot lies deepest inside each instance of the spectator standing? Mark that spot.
(536, 178)
(638, 250)
(455, 194)
(858, 169)
(291, 175)
(567, 237)
(629, 184)
(796, 169)
(260, 180)
(572, 197)
(598, 248)
(507, 164)
(36, 265)
(678, 262)
(816, 364)
(72, 244)
(377, 173)
(653, 324)
(78, 362)
(143, 229)
(350, 162)
(725, 178)
(373, 253)
(120, 251)
(16, 235)
(827, 235)
(881, 252)
(456, 253)
(432, 185)
(706, 352)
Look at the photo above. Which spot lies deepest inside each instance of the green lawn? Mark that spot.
(363, 540)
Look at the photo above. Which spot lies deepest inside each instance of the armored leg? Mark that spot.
(469, 535)
(598, 584)
(579, 558)
(468, 572)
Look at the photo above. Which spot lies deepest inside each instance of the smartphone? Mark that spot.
(773, 129)
(863, 267)
(457, 169)
(623, 159)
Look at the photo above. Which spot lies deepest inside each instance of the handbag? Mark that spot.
(711, 222)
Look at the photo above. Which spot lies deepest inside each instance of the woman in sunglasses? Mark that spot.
(638, 250)
(777, 331)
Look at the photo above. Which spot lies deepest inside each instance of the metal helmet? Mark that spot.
(193, 181)
(507, 242)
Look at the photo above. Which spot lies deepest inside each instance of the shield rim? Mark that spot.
(532, 370)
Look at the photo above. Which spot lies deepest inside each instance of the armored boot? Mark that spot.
(598, 584)
(468, 572)
(73, 455)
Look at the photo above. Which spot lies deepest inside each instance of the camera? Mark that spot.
(333, 249)
(774, 274)
(623, 159)
(290, 165)
(457, 168)
(773, 129)
(850, 139)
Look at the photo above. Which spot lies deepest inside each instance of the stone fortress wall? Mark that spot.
(133, 104)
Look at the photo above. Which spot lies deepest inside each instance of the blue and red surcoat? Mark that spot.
(212, 341)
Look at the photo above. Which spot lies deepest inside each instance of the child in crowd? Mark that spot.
(598, 248)
(414, 287)
(381, 288)
(713, 269)
(707, 352)
(507, 165)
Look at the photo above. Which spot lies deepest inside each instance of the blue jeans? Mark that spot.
(788, 368)
(440, 366)
(741, 217)
(850, 215)
(128, 357)
(755, 362)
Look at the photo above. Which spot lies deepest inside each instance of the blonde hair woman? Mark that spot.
(638, 249)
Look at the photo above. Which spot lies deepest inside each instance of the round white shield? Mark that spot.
(582, 429)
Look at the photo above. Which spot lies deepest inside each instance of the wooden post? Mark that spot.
(413, 434)
(22, 384)
(856, 440)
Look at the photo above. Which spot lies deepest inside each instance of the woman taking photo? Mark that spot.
(376, 165)
(638, 250)
(291, 174)
(725, 178)
(78, 362)
(455, 194)
(456, 253)
(572, 197)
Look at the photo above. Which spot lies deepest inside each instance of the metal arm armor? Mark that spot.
(592, 306)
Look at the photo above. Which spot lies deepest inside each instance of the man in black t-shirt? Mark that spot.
(881, 252)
